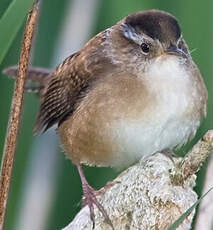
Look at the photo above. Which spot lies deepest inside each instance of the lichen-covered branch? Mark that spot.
(15, 117)
(204, 218)
(150, 194)
(194, 159)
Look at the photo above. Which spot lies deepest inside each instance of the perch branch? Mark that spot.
(15, 116)
(192, 162)
(204, 218)
(151, 194)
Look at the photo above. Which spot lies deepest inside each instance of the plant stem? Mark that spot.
(15, 116)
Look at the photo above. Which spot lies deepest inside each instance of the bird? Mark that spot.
(131, 91)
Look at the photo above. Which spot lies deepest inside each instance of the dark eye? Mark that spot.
(145, 48)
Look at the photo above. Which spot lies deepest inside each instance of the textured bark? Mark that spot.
(151, 194)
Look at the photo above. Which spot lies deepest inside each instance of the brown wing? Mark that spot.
(69, 83)
(60, 95)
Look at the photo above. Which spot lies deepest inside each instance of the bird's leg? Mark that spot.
(90, 198)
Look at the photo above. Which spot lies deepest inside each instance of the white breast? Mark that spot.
(167, 123)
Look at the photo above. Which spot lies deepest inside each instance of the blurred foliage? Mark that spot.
(10, 23)
(195, 18)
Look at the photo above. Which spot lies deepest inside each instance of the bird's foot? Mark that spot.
(90, 199)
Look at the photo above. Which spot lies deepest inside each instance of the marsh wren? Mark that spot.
(131, 91)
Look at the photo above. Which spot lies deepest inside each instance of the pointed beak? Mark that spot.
(173, 50)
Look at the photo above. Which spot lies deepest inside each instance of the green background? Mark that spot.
(195, 18)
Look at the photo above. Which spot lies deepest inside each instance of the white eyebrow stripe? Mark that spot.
(130, 33)
(179, 39)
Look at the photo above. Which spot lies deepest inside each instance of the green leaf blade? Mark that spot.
(188, 211)
(11, 22)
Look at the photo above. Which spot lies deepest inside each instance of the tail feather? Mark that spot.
(34, 75)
